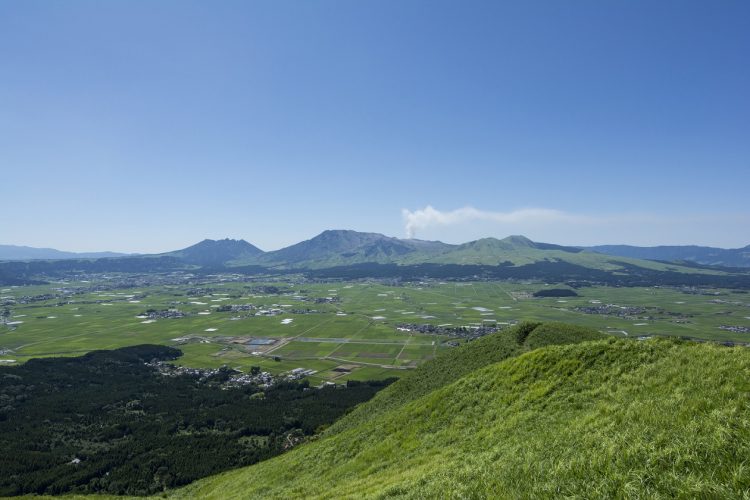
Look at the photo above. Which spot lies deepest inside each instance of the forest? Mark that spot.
(108, 422)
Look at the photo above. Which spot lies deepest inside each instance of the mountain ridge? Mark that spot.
(22, 252)
(352, 254)
(216, 252)
(334, 247)
(713, 256)
(341, 247)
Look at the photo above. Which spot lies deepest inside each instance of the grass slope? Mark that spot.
(434, 374)
(610, 418)
(519, 251)
(452, 365)
(344, 248)
(560, 334)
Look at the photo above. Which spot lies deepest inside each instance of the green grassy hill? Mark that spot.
(217, 252)
(559, 334)
(607, 418)
(434, 374)
(452, 365)
(733, 257)
(344, 248)
(351, 254)
(519, 251)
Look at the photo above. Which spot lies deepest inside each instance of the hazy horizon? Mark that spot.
(146, 127)
(454, 242)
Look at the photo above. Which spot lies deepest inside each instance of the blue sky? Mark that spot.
(147, 126)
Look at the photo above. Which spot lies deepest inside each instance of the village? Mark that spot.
(227, 378)
(735, 328)
(468, 332)
(627, 312)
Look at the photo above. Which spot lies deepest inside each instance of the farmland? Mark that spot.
(341, 330)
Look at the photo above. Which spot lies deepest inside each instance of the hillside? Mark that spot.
(136, 431)
(452, 365)
(343, 254)
(343, 247)
(336, 248)
(521, 251)
(217, 252)
(517, 251)
(605, 418)
(733, 257)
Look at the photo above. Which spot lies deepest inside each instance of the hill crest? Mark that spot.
(217, 252)
(559, 420)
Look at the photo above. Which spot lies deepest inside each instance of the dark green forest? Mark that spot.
(107, 422)
(553, 271)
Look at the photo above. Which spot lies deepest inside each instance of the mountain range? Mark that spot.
(345, 247)
(733, 257)
(345, 254)
(335, 248)
(15, 252)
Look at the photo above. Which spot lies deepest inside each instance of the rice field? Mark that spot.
(367, 326)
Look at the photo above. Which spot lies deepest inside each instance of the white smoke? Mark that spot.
(430, 217)
(542, 224)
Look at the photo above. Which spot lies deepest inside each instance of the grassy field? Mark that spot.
(602, 419)
(326, 326)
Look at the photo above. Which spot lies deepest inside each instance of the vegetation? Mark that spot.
(216, 253)
(735, 257)
(75, 317)
(435, 374)
(627, 274)
(560, 334)
(556, 292)
(452, 365)
(107, 422)
(611, 418)
(351, 254)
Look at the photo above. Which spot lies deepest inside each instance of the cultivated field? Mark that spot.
(357, 330)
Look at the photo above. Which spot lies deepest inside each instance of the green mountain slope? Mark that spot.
(217, 252)
(733, 257)
(601, 419)
(554, 333)
(443, 370)
(519, 251)
(452, 365)
(352, 254)
(345, 248)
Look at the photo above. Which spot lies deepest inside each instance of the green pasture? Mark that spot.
(353, 322)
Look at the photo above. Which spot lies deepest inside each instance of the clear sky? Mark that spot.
(149, 125)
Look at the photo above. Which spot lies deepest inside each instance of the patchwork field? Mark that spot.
(358, 330)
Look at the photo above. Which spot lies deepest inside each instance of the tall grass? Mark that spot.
(611, 418)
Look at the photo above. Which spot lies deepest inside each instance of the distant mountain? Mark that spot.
(14, 252)
(217, 252)
(335, 248)
(352, 254)
(515, 250)
(736, 257)
(344, 247)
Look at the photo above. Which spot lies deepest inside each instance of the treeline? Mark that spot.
(106, 422)
(555, 292)
(549, 271)
(29, 271)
